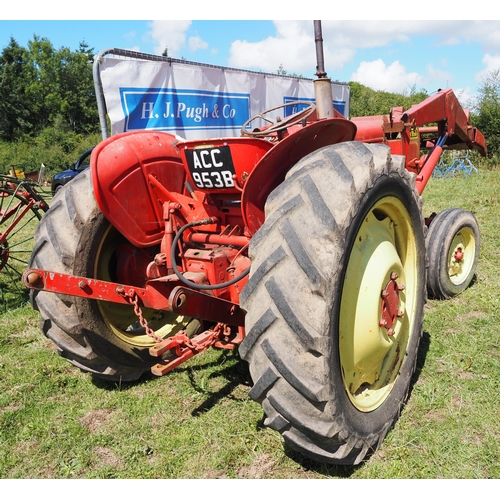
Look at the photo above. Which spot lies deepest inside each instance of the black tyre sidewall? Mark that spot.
(443, 230)
(93, 324)
(67, 241)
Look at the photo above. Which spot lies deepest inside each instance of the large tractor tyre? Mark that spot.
(102, 338)
(334, 303)
(453, 252)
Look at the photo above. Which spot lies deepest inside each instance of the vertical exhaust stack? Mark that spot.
(323, 85)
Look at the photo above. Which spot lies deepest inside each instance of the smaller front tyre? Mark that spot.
(453, 251)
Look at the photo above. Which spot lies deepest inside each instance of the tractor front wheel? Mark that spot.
(334, 303)
(453, 252)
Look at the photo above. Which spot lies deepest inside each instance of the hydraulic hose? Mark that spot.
(191, 283)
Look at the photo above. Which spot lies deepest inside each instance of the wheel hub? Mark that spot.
(390, 304)
(459, 255)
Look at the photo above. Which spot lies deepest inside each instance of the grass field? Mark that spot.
(198, 422)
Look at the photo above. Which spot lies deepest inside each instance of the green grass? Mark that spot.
(198, 421)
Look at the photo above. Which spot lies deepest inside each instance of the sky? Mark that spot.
(394, 55)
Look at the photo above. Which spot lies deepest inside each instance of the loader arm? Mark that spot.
(434, 125)
(444, 108)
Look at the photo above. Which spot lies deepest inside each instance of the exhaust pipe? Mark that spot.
(323, 85)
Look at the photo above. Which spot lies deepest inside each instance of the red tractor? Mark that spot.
(302, 244)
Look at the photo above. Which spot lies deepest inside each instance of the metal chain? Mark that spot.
(220, 329)
(133, 298)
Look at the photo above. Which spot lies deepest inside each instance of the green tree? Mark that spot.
(281, 70)
(43, 87)
(77, 108)
(16, 108)
(487, 112)
(368, 102)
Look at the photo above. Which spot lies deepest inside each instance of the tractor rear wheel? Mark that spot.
(99, 337)
(453, 252)
(334, 303)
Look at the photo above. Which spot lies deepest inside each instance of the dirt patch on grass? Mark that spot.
(435, 415)
(261, 468)
(94, 420)
(472, 315)
(11, 407)
(107, 457)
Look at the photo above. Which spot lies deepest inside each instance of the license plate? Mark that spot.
(211, 168)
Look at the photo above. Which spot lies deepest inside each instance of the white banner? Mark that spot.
(197, 101)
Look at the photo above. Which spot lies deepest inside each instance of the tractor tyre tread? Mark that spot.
(297, 260)
(58, 249)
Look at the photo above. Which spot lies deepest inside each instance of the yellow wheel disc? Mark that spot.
(461, 256)
(371, 355)
(121, 319)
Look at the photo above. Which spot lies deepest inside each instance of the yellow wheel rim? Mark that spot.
(371, 355)
(121, 319)
(461, 256)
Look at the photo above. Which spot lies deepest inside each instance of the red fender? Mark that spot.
(120, 168)
(271, 170)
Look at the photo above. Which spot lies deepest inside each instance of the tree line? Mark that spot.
(47, 97)
(41, 86)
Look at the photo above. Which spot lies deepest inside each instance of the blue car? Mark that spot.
(62, 178)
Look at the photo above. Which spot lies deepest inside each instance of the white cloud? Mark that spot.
(465, 97)
(169, 34)
(492, 63)
(392, 78)
(293, 43)
(487, 33)
(195, 43)
(135, 48)
(130, 35)
(293, 47)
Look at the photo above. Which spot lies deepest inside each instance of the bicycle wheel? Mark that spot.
(19, 216)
